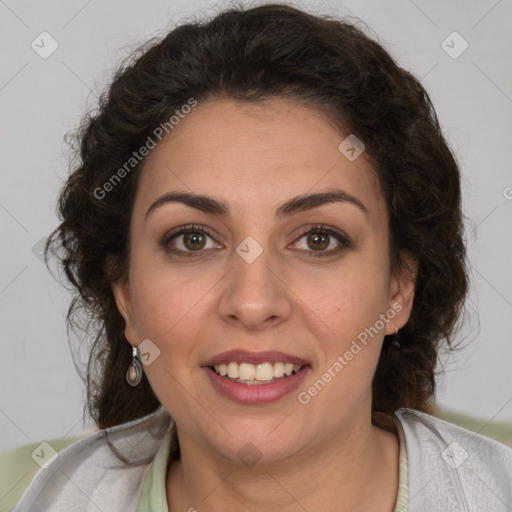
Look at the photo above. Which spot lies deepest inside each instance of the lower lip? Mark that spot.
(256, 393)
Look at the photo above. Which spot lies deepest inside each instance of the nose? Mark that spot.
(255, 295)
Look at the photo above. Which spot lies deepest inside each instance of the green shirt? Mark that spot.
(153, 498)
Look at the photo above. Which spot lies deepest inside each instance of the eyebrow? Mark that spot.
(295, 205)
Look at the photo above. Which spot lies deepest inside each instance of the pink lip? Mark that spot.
(243, 356)
(256, 393)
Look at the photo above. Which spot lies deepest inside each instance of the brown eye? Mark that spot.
(188, 241)
(194, 241)
(318, 241)
(322, 241)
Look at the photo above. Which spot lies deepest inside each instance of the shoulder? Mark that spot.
(105, 467)
(19, 466)
(453, 467)
(429, 428)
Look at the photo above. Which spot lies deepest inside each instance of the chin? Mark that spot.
(251, 446)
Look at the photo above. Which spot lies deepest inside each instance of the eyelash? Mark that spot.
(318, 229)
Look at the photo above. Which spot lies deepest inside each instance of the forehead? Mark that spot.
(255, 154)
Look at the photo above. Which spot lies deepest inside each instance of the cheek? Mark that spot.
(166, 311)
(347, 300)
(166, 300)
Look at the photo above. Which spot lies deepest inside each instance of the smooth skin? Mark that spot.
(325, 455)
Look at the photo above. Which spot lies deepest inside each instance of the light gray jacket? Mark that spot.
(450, 469)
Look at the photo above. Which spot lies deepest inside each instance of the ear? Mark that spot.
(122, 295)
(401, 291)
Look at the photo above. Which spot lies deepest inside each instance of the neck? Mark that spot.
(354, 470)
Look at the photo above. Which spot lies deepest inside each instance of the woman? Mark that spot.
(265, 232)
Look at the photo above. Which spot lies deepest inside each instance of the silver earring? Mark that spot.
(395, 343)
(134, 372)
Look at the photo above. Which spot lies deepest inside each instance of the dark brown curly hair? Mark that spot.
(252, 54)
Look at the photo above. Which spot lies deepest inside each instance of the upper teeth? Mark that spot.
(263, 371)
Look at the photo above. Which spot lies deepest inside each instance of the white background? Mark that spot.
(40, 99)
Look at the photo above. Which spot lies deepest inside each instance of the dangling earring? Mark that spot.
(134, 372)
(395, 343)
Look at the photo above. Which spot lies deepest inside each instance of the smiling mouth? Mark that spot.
(254, 374)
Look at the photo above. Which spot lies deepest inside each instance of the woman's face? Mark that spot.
(254, 279)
